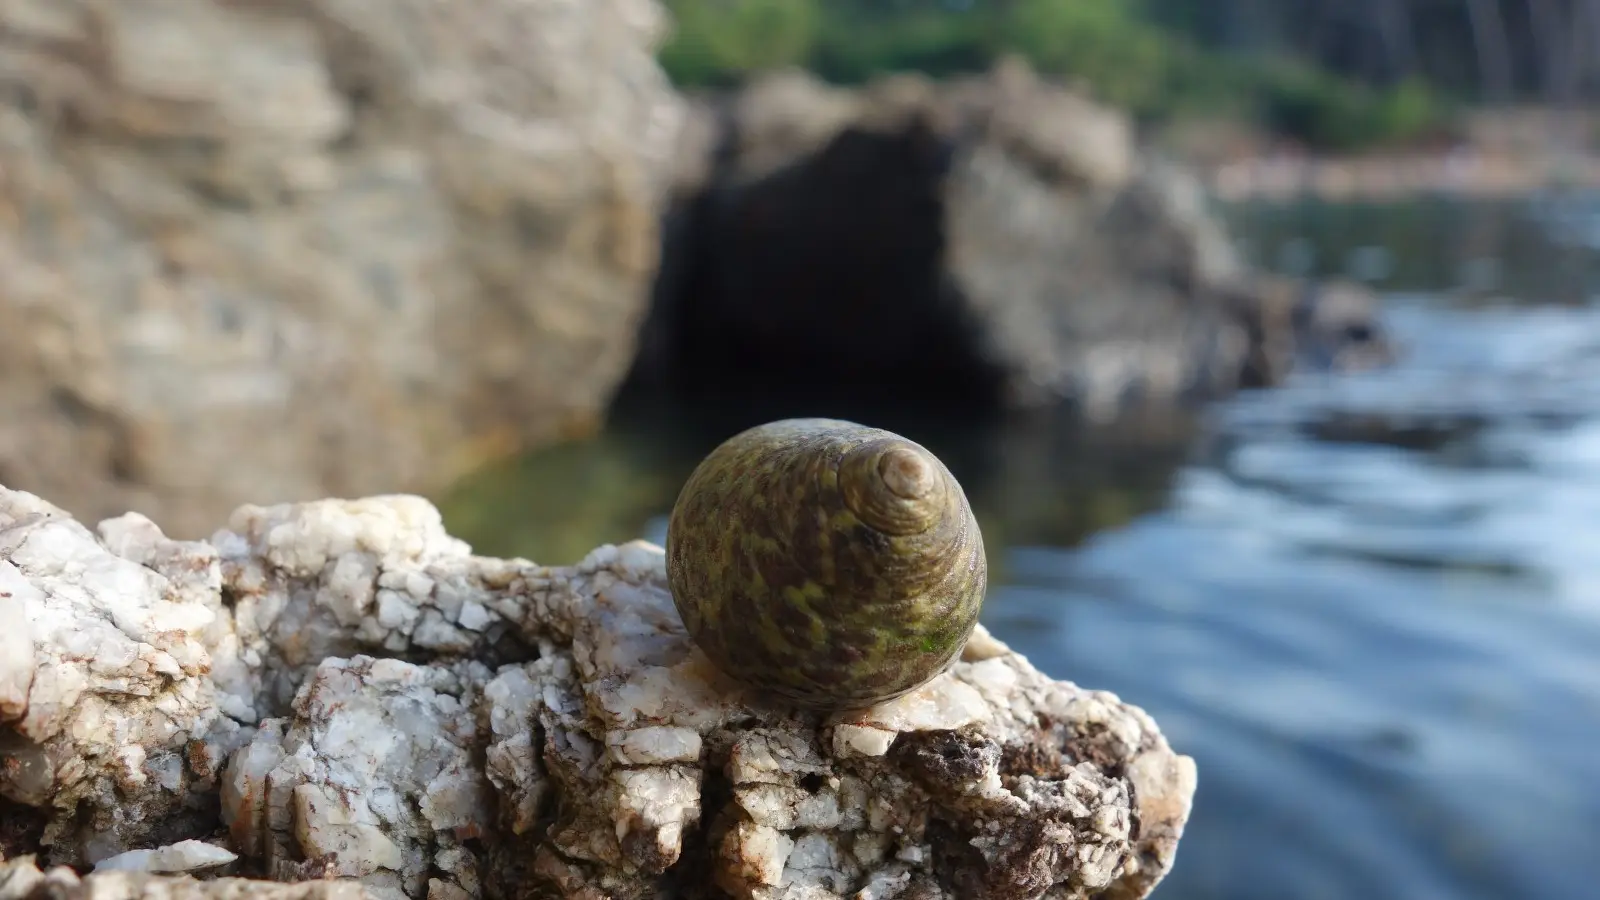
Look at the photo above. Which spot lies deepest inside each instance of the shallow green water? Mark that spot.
(1368, 605)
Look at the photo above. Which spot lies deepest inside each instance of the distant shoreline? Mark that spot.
(1463, 173)
(1497, 154)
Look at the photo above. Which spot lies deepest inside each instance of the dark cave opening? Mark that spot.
(819, 288)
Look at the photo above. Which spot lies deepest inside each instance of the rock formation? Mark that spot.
(341, 690)
(317, 247)
(22, 880)
(990, 240)
(343, 247)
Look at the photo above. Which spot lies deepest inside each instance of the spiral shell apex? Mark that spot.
(830, 564)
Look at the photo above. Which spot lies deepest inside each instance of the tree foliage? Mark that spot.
(1157, 58)
(717, 41)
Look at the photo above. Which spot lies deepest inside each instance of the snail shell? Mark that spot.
(831, 564)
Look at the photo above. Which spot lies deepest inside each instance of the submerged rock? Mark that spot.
(555, 733)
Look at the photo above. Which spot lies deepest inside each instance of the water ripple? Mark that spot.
(1371, 610)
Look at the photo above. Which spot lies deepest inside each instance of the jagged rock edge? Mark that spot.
(260, 525)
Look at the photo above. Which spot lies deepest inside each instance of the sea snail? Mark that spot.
(830, 564)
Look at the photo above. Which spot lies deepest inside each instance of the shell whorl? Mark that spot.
(893, 485)
(830, 563)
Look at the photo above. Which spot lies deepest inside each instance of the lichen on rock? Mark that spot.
(428, 723)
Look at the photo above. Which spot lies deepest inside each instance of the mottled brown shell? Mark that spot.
(831, 564)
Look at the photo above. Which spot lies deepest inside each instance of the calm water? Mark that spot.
(1368, 605)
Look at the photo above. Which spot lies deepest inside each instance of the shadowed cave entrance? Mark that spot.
(816, 289)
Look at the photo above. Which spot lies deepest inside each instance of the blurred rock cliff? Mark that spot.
(280, 250)
(992, 241)
(268, 252)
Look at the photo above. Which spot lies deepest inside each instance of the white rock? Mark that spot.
(574, 714)
(756, 855)
(378, 773)
(654, 745)
(117, 723)
(20, 879)
(942, 704)
(861, 740)
(16, 641)
(184, 856)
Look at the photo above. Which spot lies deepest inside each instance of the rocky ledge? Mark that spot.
(340, 693)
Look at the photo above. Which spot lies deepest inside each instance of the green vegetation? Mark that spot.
(1114, 47)
(716, 41)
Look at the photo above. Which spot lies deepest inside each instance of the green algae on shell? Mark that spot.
(832, 564)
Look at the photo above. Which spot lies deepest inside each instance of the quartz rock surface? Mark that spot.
(558, 735)
(122, 729)
(21, 879)
(377, 575)
(374, 773)
(184, 856)
(211, 211)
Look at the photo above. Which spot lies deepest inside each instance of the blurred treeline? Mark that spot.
(1333, 74)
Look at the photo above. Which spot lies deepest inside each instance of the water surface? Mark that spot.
(1368, 605)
